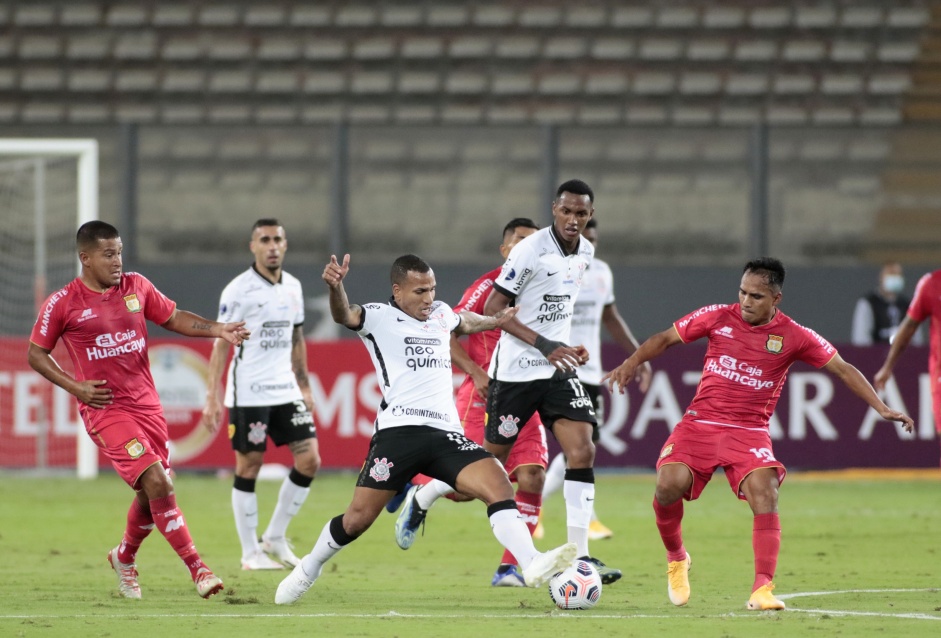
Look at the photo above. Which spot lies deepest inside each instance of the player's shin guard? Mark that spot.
(169, 520)
(139, 525)
(766, 542)
(529, 506)
(509, 528)
(669, 523)
(332, 539)
(294, 491)
(579, 492)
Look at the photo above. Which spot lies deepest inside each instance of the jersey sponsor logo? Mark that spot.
(132, 303)
(257, 432)
(685, 322)
(724, 331)
(419, 355)
(47, 311)
(554, 308)
(526, 362)
(372, 306)
(275, 336)
(265, 387)
(380, 470)
(115, 344)
(134, 448)
(550, 274)
(231, 430)
(509, 426)
(666, 451)
(87, 314)
(422, 341)
(398, 410)
(479, 292)
(775, 344)
(738, 371)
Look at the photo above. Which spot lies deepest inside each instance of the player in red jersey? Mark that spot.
(102, 318)
(926, 303)
(527, 461)
(751, 345)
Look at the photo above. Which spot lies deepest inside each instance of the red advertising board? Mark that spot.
(818, 423)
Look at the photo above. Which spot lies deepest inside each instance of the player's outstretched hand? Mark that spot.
(93, 393)
(620, 376)
(908, 424)
(505, 315)
(334, 272)
(881, 377)
(644, 376)
(235, 333)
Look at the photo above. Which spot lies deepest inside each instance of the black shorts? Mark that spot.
(510, 404)
(250, 427)
(399, 453)
(597, 400)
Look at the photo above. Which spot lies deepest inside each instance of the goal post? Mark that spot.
(30, 172)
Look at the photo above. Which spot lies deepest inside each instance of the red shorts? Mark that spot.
(132, 442)
(530, 447)
(703, 448)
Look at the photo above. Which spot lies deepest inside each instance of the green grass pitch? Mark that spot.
(858, 558)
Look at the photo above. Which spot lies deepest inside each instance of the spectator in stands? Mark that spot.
(877, 315)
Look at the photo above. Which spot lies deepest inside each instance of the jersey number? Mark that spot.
(763, 453)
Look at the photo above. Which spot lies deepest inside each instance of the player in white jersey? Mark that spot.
(268, 394)
(417, 429)
(594, 308)
(533, 368)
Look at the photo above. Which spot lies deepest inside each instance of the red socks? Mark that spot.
(139, 525)
(169, 520)
(766, 542)
(529, 505)
(669, 519)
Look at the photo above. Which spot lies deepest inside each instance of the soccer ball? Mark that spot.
(576, 587)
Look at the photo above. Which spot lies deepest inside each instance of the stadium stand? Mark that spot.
(612, 74)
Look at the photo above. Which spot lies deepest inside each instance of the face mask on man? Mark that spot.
(893, 284)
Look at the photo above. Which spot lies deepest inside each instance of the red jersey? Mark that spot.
(106, 336)
(480, 345)
(745, 366)
(927, 303)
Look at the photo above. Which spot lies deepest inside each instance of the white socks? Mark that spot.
(290, 498)
(579, 503)
(431, 492)
(324, 549)
(511, 531)
(245, 508)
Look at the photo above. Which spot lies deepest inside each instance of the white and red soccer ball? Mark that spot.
(576, 587)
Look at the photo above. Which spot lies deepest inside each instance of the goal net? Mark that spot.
(47, 188)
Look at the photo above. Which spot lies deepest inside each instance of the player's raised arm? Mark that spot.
(856, 382)
(340, 309)
(650, 349)
(471, 322)
(192, 325)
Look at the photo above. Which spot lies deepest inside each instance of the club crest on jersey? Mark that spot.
(775, 344)
(666, 451)
(132, 303)
(509, 426)
(379, 471)
(134, 448)
(257, 432)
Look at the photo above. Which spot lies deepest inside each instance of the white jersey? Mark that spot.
(413, 365)
(544, 283)
(261, 373)
(597, 291)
